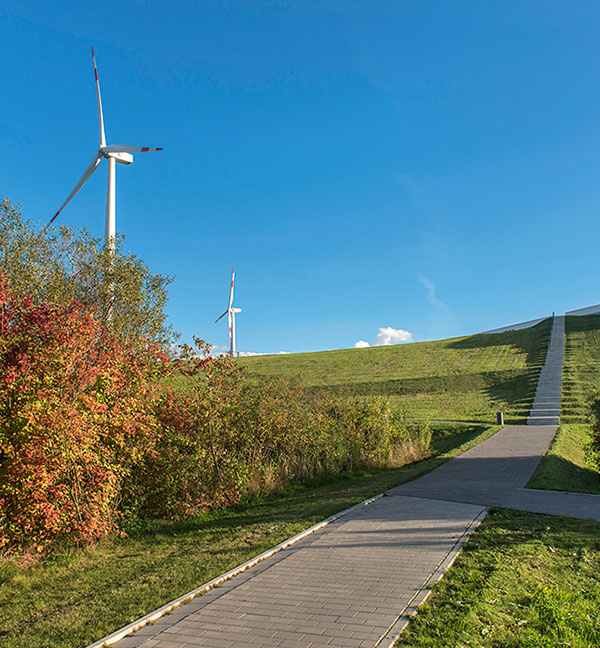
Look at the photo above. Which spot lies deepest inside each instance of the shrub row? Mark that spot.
(94, 429)
(222, 438)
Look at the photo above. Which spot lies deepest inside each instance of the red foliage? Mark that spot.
(76, 413)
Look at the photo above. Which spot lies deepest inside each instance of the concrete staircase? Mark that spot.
(546, 404)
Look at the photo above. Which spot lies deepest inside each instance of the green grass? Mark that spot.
(465, 379)
(565, 466)
(77, 598)
(522, 581)
(581, 374)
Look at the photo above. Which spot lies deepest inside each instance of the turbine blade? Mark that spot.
(231, 291)
(84, 178)
(230, 326)
(123, 148)
(100, 116)
(221, 317)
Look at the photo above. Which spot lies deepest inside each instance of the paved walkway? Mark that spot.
(495, 473)
(343, 586)
(354, 582)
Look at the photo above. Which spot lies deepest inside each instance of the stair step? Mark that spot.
(546, 403)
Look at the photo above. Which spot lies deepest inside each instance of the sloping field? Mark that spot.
(581, 373)
(464, 379)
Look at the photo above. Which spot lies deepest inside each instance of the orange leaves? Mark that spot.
(76, 413)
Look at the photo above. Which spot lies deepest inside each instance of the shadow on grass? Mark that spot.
(517, 392)
(533, 345)
(463, 382)
(558, 473)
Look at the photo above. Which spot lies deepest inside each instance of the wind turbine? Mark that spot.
(231, 312)
(120, 153)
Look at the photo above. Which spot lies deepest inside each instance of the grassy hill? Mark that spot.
(465, 379)
(581, 374)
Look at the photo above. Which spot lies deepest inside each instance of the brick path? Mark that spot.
(343, 586)
(349, 583)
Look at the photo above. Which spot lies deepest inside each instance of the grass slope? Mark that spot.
(565, 466)
(78, 598)
(466, 379)
(581, 374)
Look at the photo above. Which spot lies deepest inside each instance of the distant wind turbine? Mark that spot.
(113, 153)
(231, 312)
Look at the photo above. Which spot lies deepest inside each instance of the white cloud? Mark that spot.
(217, 348)
(388, 335)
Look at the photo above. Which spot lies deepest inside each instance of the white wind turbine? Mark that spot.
(113, 153)
(231, 312)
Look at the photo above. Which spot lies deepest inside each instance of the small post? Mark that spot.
(499, 418)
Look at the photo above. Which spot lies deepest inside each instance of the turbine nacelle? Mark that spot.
(121, 158)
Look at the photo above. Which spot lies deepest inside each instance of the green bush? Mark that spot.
(57, 265)
(222, 437)
(593, 447)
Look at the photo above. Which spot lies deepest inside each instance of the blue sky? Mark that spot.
(430, 167)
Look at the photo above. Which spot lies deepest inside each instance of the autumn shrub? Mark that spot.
(196, 462)
(77, 412)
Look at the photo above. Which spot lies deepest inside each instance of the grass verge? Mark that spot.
(565, 466)
(522, 581)
(79, 597)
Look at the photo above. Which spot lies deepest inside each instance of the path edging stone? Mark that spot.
(153, 616)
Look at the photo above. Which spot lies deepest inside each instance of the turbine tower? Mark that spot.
(231, 312)
(120, 153)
